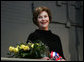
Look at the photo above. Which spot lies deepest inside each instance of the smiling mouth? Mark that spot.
(43, 22)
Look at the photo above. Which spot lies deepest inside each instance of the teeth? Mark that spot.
(43, 22)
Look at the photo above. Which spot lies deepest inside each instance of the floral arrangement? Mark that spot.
(29, 50)
(33, 50)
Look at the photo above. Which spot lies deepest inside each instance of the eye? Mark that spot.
(45, 16)
(39, 17)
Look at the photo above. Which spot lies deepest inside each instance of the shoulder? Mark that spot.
(55, 35)
(32, 33)
(31, 36)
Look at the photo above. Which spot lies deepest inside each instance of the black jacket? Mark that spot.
(47, 37)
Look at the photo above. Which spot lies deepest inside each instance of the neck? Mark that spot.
(46, 29)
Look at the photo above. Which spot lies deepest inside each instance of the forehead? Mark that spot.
(43, 13)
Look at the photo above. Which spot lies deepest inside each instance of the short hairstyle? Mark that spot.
(37, 11)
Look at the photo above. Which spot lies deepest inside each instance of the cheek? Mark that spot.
(39, 20)
(47, 18)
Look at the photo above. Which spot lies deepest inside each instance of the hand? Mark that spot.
(45, 58)
(63, 60)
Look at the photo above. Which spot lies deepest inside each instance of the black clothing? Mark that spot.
(48, 38)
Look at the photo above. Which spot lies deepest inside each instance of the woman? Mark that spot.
(42, 18)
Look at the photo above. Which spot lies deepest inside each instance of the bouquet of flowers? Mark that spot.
(33, 50)
(29, 50)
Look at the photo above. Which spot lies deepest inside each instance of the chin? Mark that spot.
(44, 25)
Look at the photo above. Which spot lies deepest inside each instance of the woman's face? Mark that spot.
(43, 20)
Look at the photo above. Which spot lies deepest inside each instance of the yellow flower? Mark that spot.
(32, 45)
(26, 48)
(11, 49)
(17, 46)
(22, 46)
(37, 43)
(16, 50)
(29, 43)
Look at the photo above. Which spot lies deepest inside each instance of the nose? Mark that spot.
(43, 18)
